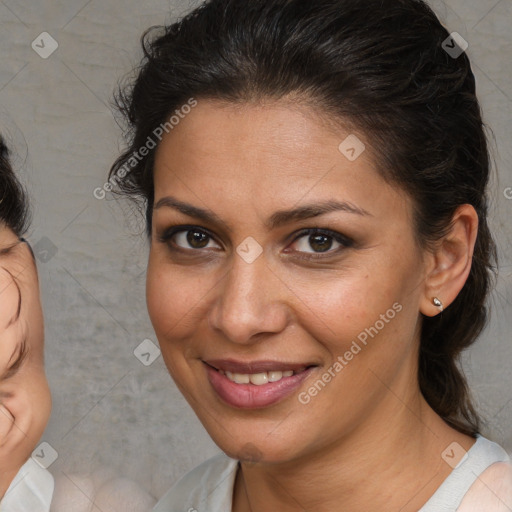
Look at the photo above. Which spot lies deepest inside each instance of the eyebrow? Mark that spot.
(4, 251)
(276, 220)
(283, 217)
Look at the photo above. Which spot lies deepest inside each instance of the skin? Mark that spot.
(25, 401)
(368, 440)
(492, 491)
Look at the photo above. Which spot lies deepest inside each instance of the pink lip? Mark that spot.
(250, 396)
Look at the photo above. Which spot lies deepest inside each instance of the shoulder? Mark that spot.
(491, 491)
(480, 482)
(207, 487)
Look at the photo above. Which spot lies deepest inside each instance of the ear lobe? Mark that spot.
(451, 261)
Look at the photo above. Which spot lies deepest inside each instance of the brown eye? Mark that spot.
(316, 241)
(189, 238)
(320, 243)
(197, 239)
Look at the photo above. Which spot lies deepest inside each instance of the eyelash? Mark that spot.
(344, 241)
(20, 358)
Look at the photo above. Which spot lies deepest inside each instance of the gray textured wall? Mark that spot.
(110, 409)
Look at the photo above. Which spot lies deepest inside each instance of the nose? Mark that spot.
(249, 302)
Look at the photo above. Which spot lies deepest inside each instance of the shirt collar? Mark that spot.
(31, 489)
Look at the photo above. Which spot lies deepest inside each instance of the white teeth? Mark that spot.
(258, 379)
(239, 378)
(275, 376)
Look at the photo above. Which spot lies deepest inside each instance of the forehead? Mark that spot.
(274, 154)
(262, 137)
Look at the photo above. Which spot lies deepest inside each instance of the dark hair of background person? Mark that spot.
(375, 67)
(14, 210)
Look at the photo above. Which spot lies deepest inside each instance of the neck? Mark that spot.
(391, 462)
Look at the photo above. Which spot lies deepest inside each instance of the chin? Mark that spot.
(257, 446)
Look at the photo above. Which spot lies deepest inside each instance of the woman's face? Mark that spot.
(25, 401)
(278, 263)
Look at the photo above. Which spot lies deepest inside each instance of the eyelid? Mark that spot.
(174, 230)
(341, 239)
(16, 365)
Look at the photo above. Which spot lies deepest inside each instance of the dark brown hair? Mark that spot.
(14, 211)
(377, 66)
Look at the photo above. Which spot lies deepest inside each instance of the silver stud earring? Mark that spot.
(437, 303)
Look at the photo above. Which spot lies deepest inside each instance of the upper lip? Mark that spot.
(230, 365)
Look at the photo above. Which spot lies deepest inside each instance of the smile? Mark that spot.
(255, 385)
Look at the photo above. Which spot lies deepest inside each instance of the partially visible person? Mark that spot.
(25, 400)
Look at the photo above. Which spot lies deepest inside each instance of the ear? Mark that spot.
(450, 263)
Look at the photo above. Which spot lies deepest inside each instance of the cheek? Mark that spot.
(365, 317)
(162, 291)
(176, 301)
(29, 406)
(6, 422)
(338, 308)
(37, 398)
(44, 408)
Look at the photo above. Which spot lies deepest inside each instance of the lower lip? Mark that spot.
(250, 396)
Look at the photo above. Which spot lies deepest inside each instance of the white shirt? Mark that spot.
(30, 491)
(209, 487)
